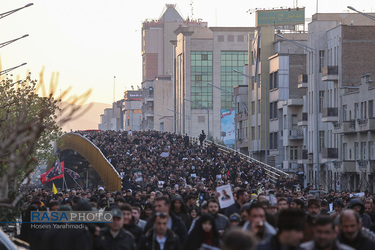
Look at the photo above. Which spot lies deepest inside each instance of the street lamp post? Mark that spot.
(362, 13)
(2, 15)
(10, 69)
(3, 44)
(316, 113)
(208, 115)
(234, 98)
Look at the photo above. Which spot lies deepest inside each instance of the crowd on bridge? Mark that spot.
(169, 201)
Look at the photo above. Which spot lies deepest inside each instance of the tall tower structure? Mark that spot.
(157, 51)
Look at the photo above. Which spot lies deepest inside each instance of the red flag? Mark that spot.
(57, 172)
(228, 174)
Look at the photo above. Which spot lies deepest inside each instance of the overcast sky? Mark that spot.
(90, 41)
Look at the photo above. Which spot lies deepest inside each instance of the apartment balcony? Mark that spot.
(302, 81)
(330, 153)
(330, 73)
(330, 115)
(362, 164)
(346, 127)
(295, 134)
(303, 156)
(349, 166)
(303, 119)
(365, 125)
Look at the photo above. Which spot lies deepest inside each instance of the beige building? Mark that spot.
(356, 129)
(342, 47)
(132, 110)
(204, 79)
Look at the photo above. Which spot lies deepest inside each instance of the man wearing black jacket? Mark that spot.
(162, 205)
(115, 236)
(242, 198)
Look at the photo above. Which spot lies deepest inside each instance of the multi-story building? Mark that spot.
(132, 110)
(285, 102)
(204, 79)
(356, 129)
(113, 118)
(335, 40)
(157, 68)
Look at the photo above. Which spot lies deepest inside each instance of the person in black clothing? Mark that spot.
(159, 236)
(162, 205)
(186, 140)
(351, 231)
(290, 223)
(128, 222)
(204, 232)
(179, 209)
(242, 198)
(129, 197)
(115, 236)
(202, 137)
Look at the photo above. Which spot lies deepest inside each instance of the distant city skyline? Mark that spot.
(90, 42)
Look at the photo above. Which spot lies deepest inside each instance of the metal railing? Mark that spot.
(272, 172)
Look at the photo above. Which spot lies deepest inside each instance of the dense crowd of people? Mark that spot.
(169, 201)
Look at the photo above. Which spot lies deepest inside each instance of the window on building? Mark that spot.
(321, 60)
(363, 110)
(230, 38)
(321, 140)
(364, 150)
(275, 80)
(271, 110)
(252, 108)
(356, 110)
(220, 38)
(201, 76)
(252, 133)
(293, 153)
(321, 101)
(271, 80)
(370, 109)
(357, 151)
(344, 111)
(371, 150)
(273, 140)
(275, 110)
(229, 61)
(201, 118)
(240, 38)
(258, 107)
(345, 151)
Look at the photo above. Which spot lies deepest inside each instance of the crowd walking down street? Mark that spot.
(170, 200)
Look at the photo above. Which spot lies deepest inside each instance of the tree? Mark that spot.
(29, 122)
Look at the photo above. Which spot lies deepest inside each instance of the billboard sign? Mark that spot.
(133, 95)
(280, 17)
(227, 126)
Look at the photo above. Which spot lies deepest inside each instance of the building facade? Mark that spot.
(132, 110)
(204, 79)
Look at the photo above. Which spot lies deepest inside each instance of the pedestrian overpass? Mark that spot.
(105, 170)
(111, 177)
